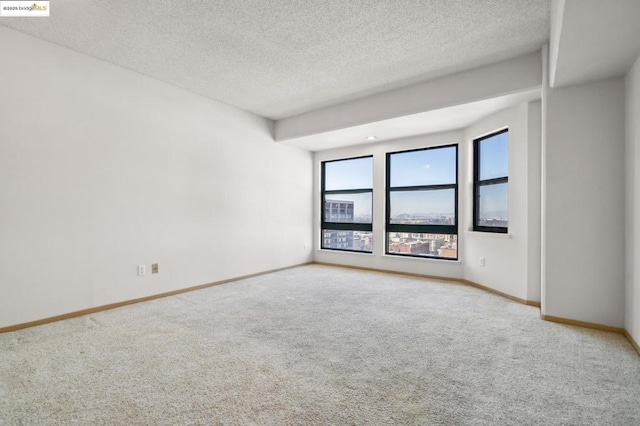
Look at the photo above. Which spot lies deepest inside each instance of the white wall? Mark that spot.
(632, 223)
(534, 201)
(584, 204)
(378, 260)
(512, 262)
(102, 169)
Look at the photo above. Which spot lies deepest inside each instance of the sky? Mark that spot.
(494, 163)
(494, 156)
(438, 202)
(349, 174)
(428, 167)
(494, 201)
(424, 167)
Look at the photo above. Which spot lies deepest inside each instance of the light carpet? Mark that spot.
(319, 345)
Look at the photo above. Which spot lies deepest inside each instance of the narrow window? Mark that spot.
(491, 183)
(347, 204)
(422, 203)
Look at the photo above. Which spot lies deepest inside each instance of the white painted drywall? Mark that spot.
(592, 40)
(632, 222)
(534, 201)
(584, 203)
(103, 169)
(378, 260)
(543, 173)
(511, 76)
(511, 261)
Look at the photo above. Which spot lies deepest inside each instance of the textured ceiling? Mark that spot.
(279, 58)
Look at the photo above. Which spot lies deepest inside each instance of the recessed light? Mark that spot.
(371, 138)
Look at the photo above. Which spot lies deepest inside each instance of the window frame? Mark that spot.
(478, 183)
(342, 226)
(420, 228)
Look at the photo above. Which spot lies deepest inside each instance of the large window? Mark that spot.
(347, 189)
(491, 183)
(422, 202)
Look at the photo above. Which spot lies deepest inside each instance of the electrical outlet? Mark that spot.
(154, 268)
(482, 261)
(142, 270)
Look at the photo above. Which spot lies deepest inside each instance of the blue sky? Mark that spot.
(494, 156)
(349, 174)
(426, 167)
(494, 163)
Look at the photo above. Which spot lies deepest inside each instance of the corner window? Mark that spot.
(347, 204)
(491, 183)
(422, 203)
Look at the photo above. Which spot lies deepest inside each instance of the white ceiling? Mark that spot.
(279, 58)
(594, 39)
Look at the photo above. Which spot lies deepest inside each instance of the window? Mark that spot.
(347, 204)
(422, 203)
(491, 183)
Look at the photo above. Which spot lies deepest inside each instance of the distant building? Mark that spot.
(338, 211)
(448, 252)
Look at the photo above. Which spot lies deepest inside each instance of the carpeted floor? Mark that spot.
(319, 345)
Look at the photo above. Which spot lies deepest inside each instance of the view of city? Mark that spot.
(342, 211)
(498, 222)
(420, 244)
(415, 244)
(432, 245)
(348, 240)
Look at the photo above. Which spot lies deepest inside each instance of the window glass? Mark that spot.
(491, 183)
(347, 204)
(424, 167)
(348, 207)
(347, 240)
(493, 205)
(494, 156)
(422, 244)
(349, 174)
(434, 207)
(421, 201)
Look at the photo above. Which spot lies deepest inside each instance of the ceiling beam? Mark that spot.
(507, 77)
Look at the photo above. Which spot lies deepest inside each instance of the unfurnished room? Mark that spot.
(251, 212)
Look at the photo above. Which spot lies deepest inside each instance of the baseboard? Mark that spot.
(583, 324)
(594, 326)
(387, 271)
(139, 300)
(633, 342)
(438, 278)
(499, 293)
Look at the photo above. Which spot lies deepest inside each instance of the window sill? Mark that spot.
(489, 234)
(359, 253)
(422, 259)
